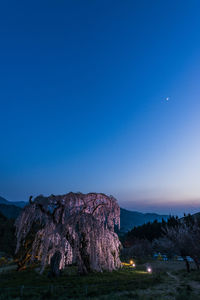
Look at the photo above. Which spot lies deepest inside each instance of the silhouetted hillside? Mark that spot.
(130, 219)
(10, 211)
(3, 200)
(16, 203)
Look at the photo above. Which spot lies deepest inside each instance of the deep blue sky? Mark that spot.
(83, 88)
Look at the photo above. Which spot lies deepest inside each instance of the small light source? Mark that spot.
(149, 270)
(133, 265)
(131, 262)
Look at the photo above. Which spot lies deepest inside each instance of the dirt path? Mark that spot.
(195, 286)
(173, 277)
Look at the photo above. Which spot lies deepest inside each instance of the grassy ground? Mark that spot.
(167, 281)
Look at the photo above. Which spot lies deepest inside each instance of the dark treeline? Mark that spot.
(7, 235)
(175, 237)
(148, 231)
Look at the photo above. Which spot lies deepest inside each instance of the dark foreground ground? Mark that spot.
(168, 280)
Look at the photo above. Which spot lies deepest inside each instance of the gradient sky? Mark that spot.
(83, 89)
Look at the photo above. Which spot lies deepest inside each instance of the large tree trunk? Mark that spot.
(55, 264)
(187, 264)
(196, 261)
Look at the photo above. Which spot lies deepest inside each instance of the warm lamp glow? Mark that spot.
(131, 262)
